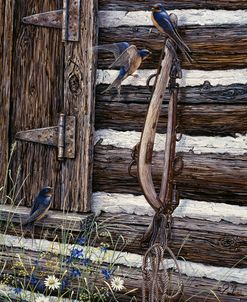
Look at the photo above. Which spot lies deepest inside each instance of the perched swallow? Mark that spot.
(127, 57)
(162, 21)
(40, 206)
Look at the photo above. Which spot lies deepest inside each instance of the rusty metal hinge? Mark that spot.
(61, 136)
(67, 19)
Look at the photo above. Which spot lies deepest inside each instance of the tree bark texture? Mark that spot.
(208, 177)
(213, 47)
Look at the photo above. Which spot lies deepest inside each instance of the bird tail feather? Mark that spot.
(35, 216)
(187, 55)
(116, 83)
(184, 49)
(185, 46)
(27, 224)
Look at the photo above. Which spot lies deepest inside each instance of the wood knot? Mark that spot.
(228, 288)
(233, 92)
(206, 85)
(74, 83)
(229, 92)
(229, 242)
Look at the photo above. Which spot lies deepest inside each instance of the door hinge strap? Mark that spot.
(67, 19)
(61, 136)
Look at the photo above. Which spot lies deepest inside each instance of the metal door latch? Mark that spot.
(67, 19)
(61, 136)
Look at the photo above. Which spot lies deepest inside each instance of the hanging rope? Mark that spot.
(156, 278)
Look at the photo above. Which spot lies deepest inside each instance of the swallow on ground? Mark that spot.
(162, 21)
(127, 57)
(40, 206)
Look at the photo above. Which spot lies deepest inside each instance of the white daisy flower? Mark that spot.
(42, 299)
(52, 282)
(117, 284)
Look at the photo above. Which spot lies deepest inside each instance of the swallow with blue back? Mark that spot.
(40, 206)
(127, 57)
(162, 21)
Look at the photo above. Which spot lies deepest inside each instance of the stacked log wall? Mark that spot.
(209, 230)
(211, 117)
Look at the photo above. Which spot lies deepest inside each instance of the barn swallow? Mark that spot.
(127, 57)
(162, 21)
(40, 206)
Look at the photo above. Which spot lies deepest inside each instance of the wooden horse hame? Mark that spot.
(155, 275)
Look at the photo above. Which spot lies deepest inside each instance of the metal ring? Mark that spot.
(132, 163)
(149, 80)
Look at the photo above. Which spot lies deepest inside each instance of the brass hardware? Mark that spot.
(67, 19)
(61, 136)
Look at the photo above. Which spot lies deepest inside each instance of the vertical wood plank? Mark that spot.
(36, 98)
(79, 100)
(6, 44)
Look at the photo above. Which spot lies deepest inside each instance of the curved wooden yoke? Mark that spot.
(167, 73)
(156, 278)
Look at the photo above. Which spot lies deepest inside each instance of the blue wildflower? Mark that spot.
(68, 259)
(76, 253)
(75, 272)
(106, 273)
(41, 286)
(64, 283)
(86, 261)
(17, 290)
(33, 280)
(81, 240)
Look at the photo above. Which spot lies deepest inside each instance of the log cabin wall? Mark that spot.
(209, 231)
(210, 222)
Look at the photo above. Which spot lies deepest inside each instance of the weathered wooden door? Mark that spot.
(45, 81)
